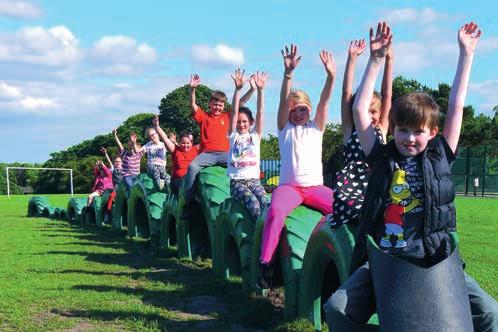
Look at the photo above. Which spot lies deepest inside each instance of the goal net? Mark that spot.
(9, 182)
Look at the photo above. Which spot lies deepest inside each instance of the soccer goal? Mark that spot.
(70, 170)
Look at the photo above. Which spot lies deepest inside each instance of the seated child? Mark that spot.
(130, 158)
(117, 177)
(351, 182)
(103, 181)
(300, 142)
(244, 157)
(156, 158)
(181, 154)
(409, 205)
(213, 134)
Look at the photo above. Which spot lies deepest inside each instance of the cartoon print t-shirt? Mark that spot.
(243, 156)
(404, 210)
(156, 153)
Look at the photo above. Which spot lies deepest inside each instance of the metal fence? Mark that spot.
(474, 172)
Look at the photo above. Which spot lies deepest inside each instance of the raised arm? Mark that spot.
(291, 60)
(170, 146)
(104, 151)
(118, 142)
(322, 108)
(195, 80)
(378, 49)
(356, 48)
(133, 139)
(238, 81)
(468, 37)
(386, 92)
(245, 98)
(260, 82)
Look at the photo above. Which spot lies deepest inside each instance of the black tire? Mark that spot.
(36, 205)
(93, 211)
(120, 208)
(169, 216)
(74, 207)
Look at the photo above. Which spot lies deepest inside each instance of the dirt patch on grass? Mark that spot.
(81, 327)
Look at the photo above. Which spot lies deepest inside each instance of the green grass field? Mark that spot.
(56, 276)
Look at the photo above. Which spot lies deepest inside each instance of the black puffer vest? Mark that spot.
(440, 218)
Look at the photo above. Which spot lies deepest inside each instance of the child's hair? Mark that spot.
(247, 112)
(117, 157)
(376, 102)
(188, 135)
(299, 97)
(218, 96)
(147, 131)
(414, 110)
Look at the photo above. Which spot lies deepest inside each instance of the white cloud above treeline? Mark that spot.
(19, 9)
(218, 55)
(413, 15)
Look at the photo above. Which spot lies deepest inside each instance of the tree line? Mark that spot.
(174, 114)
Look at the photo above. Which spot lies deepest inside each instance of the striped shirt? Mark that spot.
(131, 163)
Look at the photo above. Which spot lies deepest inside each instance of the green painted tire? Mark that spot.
(234, 231)
(145, 206)
(325, 267)
(169, 216)
(36, 205)
(119, 211)
(298, 228)
(92, 212)
(196, 225)
(57, 213)
(48, 212)
(74, 207)
(99, 217)
(62, 214)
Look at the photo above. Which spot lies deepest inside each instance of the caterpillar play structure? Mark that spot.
(313, 258)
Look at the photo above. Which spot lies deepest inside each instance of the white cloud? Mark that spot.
(487, 90)
(19, 9)
(32, 103)
(220, 55)
(488, 45)
(9, 91)
(56, 46)
(412, 15)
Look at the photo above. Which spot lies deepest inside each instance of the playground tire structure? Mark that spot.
(289, 259)
(325, 267)
(62, 214)
(93, 211)
(119, 213)
(234, 232)
(168, 227)
(48, 212)
(57, 213)
(145, 206)
(196, 222)
(36, 205)
(74, 208)
(99, 219)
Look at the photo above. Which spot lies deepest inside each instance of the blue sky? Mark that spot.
(70, 70)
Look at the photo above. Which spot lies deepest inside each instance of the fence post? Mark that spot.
(484, 170)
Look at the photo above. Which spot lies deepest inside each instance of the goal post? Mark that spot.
(70, 170)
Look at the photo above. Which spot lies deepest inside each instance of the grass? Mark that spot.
(57, 276)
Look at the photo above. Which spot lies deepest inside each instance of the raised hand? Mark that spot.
(115, 132)
(172, 137)
(260, 79)
(252, 83)
(155, 121)
(380, 43)
(238, 78)
(468, 37)
(195, 80)
(103, 150)
(356, 48)
(291, 58)
(133, 137)
(329, 62)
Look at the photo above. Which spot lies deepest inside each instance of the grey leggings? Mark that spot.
(250, 193)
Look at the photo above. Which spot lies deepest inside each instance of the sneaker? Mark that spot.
(265, 276)
(385, 242)
(107, 217)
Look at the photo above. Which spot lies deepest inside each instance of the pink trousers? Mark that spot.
(284, 199)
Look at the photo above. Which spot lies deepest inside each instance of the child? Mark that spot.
(213, 131)
(131, 160)
(300, 142)
(351, 182)
(117, 177)
(244, 157)
(103, 181)
(156, 158)
(181, 154)
(416, 166)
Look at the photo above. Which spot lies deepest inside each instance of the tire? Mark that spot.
(145, 206)
(92, 212)
(196, 225)
(62, 214)
(298, 228)
(48, 212)
(325, 267)
(36, 205)
(119, 211)
(99, 218)
(74, 208)
(234, 233)
(169, 216)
